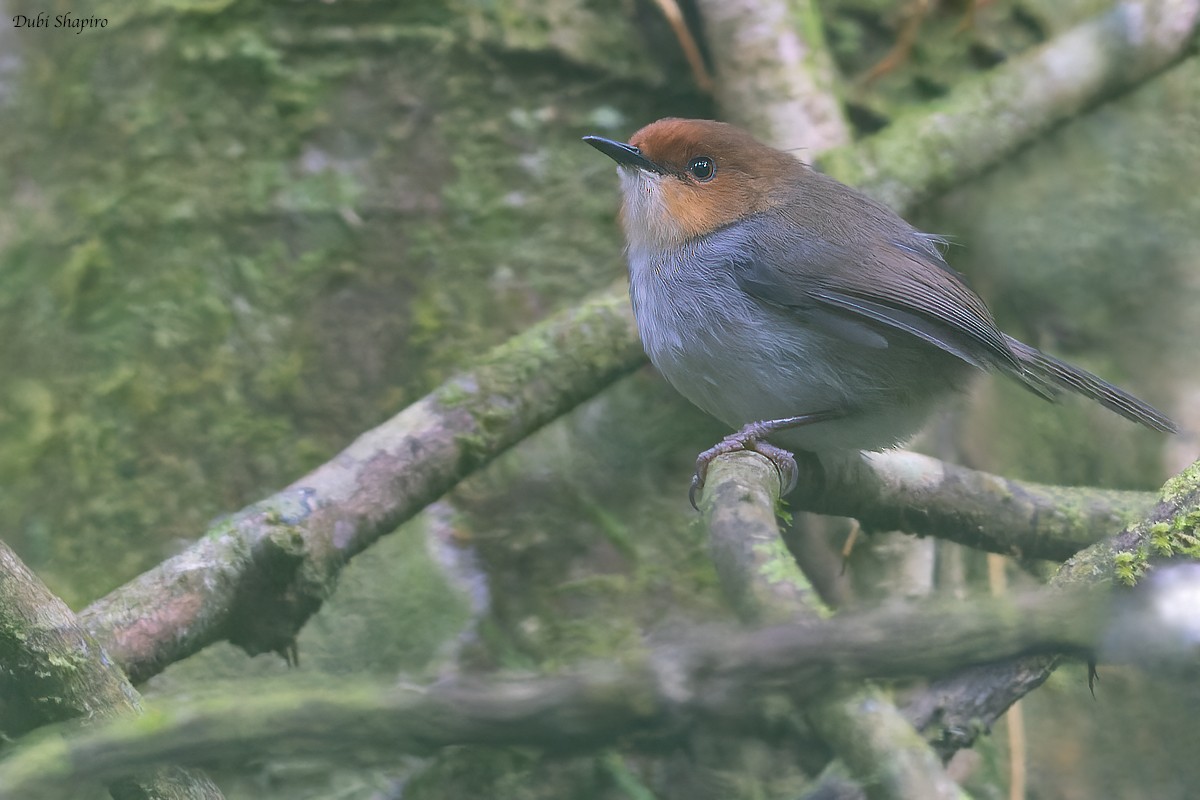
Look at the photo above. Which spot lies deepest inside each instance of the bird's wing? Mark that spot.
(922, 296)
(837, 290)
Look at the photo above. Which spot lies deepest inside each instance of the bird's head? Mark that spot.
(684, 178)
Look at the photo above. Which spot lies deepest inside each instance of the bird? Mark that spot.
(799, 311)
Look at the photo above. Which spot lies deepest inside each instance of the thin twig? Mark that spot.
(691, 51)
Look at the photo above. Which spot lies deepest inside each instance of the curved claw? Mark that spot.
(697, 485)
(750, 437)
(783, 461)
(788, 471)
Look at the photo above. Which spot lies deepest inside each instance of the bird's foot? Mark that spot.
(748, 438)
(751, 437)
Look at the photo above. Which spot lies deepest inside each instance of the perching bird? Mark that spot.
(801, 311)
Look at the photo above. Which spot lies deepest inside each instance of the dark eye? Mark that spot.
(702, 168)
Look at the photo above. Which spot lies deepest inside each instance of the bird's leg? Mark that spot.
(751, 437)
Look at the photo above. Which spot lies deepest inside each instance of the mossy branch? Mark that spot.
(985, 120)
(256, 577)
(861, 725)
(964, 705)
(955, 709)
(908, 492)
(716, 678)
(719, 677)
(54, 671)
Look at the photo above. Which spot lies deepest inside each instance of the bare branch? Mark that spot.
(759, 577)
(775, 76)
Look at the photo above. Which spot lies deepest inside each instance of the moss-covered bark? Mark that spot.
(237, 234)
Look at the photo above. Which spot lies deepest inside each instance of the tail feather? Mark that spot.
(1046, 376)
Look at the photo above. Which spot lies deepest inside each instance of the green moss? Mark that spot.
(273, 246)
(1181, 536)
(1129, 567)
(148, 294)
(66, 662)
(1178, 537)
(1185, 483)
(282, 238)
(779, 566)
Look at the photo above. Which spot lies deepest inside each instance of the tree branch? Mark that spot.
(905, 491)
(775, 75)
(276, 559)
(987, 119)
(54, 671)
(761, 578)
(256, 577)
(716, 678)
(966, 703)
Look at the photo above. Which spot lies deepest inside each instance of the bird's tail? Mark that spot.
(1047, 376)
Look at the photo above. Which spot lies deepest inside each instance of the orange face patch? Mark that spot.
(671, 208)
(698, 208)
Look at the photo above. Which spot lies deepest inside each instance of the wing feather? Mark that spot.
(921, 295)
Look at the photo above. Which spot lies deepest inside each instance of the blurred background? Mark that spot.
(236, 234)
